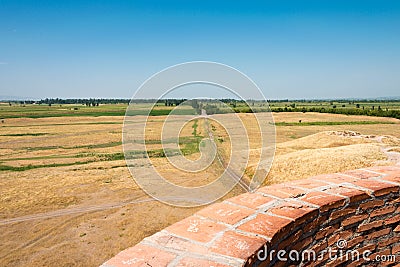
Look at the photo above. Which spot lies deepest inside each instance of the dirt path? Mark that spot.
(76, 210)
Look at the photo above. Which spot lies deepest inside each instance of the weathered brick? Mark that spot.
(326, 231)
(395, 177)
(382, 211)
(237, 245)
(141, 255)
(195, 228)
(387, 242)
(193, 262)
(267, 225)
(318, 247)
(292, 238)
(302, 244)
(226, 213)
(392, 220)
(310, 226)
(395, 201)
(336, 178)
(397, 229)
(333, 239)
(361, 174)
(378, 255)
(296, 211)
(396, 249)
(324, 200)
(370, 247)
(377, 187)
(372, 204)
(166, 240)
(309, 183)
(377, 234)
(321, 258)
(336, 262)
(357, 262)
(282, 191)
(367, 226)
(354, 219)
(355, 241)
(385, 169)
(343, 235)
(353, 194)
(340, 213)
(251, 200)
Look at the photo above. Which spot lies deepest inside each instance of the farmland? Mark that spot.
(66, 194)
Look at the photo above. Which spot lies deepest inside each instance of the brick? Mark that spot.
(141, 255)
(267, 225)
(370, 247)
(292, 238)
(355, 241)
(318, 247)
(354, 219)
(382, 211)
(344, 235)
(192, 262)
(380, 254)
(335, 178)
(296, 211)
(361, 174)
(340, 213)
(313, 226)
(395, 177)
(320, 260)
(282, 191)
(377, 234)
(166, 240)
(336, 262)
(224, 212)
(385, 169)
(333, 239)
(251, 200)
(368, 226)
(309, 183)
(387, 242)
(395, 201)
(237, 245)
(392, 220)
(302, 244)
(324, 200)
(315, 223)
(195, 228)
(356, 263)
(353, 194)
(379, 188)
(372, 204)
(326, 231)
(396, 249)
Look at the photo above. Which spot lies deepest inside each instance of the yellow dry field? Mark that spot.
(68, 199)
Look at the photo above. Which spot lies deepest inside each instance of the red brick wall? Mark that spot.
(361, 208)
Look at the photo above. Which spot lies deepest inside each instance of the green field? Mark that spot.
(369, 108)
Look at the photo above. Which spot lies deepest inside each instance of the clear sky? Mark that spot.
(291, 49)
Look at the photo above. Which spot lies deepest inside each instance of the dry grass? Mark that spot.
(88, 239)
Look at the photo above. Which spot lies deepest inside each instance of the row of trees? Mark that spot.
(347, 111)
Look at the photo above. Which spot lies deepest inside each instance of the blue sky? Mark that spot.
(291, 49)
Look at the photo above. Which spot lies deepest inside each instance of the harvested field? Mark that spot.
(66, 195)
